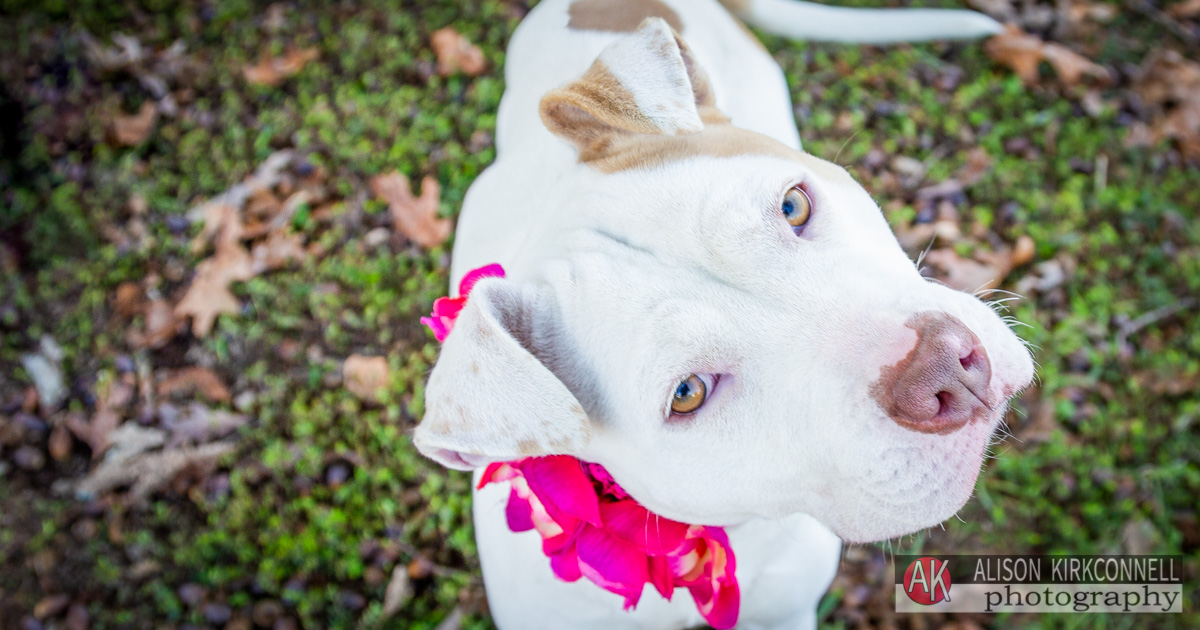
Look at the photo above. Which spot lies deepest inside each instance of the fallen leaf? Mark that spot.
(132, 439)
(95, 431)
(273, 70)
(161, 325)
(128, 299)
(1169, 85)
(149, 472)
(453, 621)
(59, 444)
(1185, 9)
(130, 131)
(967, 274)
(209, 296)
(268, 174)
(1022, 251)
(278, 250)
(195, 379)
(1023, 53)
(399, 591)
(414, 217)
(455, 53)
(51, 606)
(200, 424)
(365, 376)
(1071, 66)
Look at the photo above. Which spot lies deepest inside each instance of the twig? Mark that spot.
(1145, 319)
(1147, 8)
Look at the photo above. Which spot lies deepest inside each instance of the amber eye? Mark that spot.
(797, 207)
(689, 395)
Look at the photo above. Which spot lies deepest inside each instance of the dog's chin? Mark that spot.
(933, 481)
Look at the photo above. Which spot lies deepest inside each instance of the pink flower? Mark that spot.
(446, 309)
(592, 528)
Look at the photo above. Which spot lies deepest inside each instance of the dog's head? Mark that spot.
(726, 324)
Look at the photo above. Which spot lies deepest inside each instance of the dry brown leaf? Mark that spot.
(149, 472)
(128, 299)
(195, 379)
(96, 432)
(1169, 85)
(455, 53)
(1071, 66)
(1024, 52)
(1185, 9)
(414, 217)
(277, 251)
(130, 131)
(199, 424)
(209, 296)
(968, 274)
(161, 325)
(273, 70)
(365, 376)
(60, 443)
(1022, 251)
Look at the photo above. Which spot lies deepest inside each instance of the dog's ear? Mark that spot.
(647, 82)
(490, 398)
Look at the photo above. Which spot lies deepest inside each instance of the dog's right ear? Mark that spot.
(490, 398)
(647, 82)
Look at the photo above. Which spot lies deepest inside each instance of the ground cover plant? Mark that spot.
(220, 221)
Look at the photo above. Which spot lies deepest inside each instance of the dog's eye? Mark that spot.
(797, 207)
(689, 395)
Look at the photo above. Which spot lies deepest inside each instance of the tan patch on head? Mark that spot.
(619, 16)
(736, 5)
(719, 140)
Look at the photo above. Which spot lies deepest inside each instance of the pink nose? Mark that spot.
(942, 383)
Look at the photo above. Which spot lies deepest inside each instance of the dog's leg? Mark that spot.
(805, 20)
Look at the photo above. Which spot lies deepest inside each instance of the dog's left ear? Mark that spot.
(647, 82)
(491, 396)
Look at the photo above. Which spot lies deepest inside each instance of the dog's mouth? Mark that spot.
(915, 485)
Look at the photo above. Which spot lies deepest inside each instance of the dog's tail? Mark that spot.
(806, 20)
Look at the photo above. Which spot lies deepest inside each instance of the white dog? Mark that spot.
(722, 321)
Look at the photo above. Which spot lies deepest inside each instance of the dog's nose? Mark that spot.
(942, 383)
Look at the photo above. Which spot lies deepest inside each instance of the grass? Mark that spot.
(1107, 454)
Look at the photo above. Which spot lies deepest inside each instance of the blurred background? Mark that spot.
(220, 221)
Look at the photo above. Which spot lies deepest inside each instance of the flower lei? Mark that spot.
(590, 527)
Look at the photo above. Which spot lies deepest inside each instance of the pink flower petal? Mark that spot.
(519, 513)
(612, 563)
(661, 577)
(496, 471)
(651, 533)
(475, 275)
(448, 307)
(564, 488)
(566, 564)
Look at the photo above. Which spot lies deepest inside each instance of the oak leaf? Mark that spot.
(454, 52)
(130, 131)
(364, 376)
(1023, 53)
(273, 70)
(195, 379)
(414, 217)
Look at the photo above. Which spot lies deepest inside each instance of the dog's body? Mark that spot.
(637, 253)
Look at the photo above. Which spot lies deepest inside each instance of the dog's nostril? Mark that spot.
(943, 381)
(972, 359)
(945, 403)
